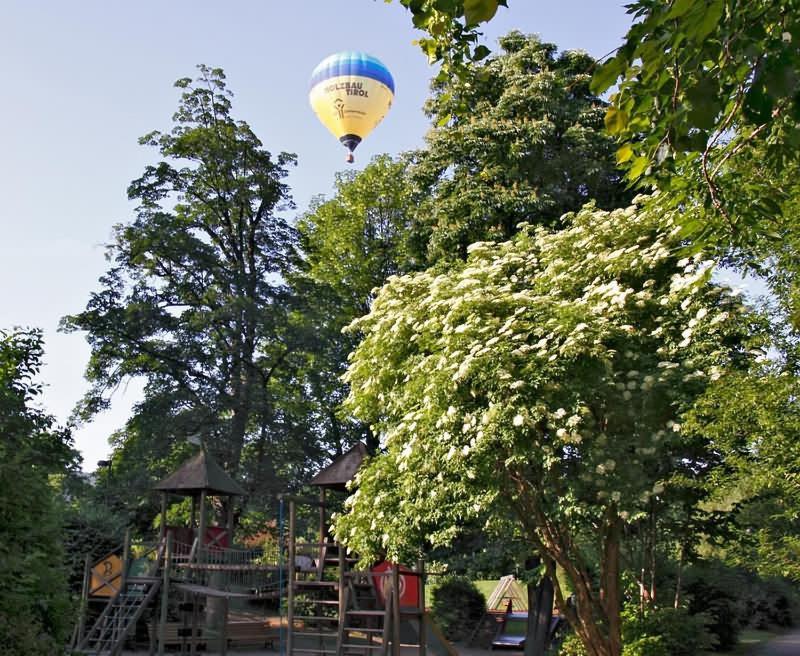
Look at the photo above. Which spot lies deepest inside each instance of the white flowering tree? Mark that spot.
(545, 378)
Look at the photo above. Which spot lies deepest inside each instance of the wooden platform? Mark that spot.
(239, 632)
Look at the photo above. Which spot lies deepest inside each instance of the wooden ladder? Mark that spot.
(107, 635)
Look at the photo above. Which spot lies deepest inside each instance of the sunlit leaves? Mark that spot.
(695, 86)
(754, 419)
(479, 11)
(451, 26)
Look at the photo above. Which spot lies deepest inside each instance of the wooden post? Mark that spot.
(201, 531)
(126, 555)
(193, 517)
(387, 619)
(195, 613)
(421, 604)
(224, 645)
(342, 600)
(162, 622)
(290, 581)
(163, 530)
(229, 523)
(323, 529)
(395, 609)
(87, 576)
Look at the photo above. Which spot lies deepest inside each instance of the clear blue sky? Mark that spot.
(83, 80)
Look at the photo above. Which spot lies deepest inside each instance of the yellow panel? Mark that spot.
(350, 104)
(106, 577)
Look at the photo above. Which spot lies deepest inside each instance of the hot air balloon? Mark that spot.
(351, 93)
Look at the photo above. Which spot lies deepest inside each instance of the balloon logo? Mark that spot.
(350, 94)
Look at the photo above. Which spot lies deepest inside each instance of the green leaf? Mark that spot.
(606, 75)
(479, 11)
(679, 8)
(709, 20)
(638, 167)
(481, 52)
(705, 104)
(624, 153)
(758, 104)
(616, 120)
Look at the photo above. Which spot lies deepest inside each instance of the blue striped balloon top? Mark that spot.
(351, 62)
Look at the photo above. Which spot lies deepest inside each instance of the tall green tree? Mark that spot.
(525, 382)
(34, 602)
(351, 243)
(517, 138)
(354, 241)
(193, 302)
(753, 419)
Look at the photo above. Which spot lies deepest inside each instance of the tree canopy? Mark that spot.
(523, 381)
(34, 603)
(518, 137)
(452, 30)
(193, 301)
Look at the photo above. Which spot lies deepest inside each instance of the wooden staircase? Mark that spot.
(107, 635)
(140, 581)
(334, 610)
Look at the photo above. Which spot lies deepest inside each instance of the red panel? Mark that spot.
(409, 584)
(217, 537)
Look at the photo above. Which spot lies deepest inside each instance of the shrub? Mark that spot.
(718, 592)
(572, 646)
(647, 646)
(657, 632)
(457, 606)
(678, 633)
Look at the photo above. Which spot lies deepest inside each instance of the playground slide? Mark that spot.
(437, 644)
(512, 631)
(514, 628)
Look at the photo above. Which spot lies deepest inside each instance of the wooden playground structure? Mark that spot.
(192, 590)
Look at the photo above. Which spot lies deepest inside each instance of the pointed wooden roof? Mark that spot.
(336, 475)
(198, 473)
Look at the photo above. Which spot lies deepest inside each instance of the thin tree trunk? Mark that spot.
(653, 543)
(595, 620)
(679, 579)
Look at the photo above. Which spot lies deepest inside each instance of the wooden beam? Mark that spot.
(202, 528)
(421, 605)
(290, 581)
(162, 623)
(395, 609)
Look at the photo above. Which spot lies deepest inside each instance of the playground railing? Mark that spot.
(252, 570)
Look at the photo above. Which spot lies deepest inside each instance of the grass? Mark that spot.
(485, 586)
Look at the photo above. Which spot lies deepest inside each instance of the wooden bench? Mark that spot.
(247, 632)
(251, 632)
(175, 634)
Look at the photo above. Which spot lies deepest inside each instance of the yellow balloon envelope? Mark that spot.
(350, 94)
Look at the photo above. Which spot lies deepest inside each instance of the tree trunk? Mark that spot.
(653, 544)
(540, 613)
(679, 579)
(594, 618)
(611, 597)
